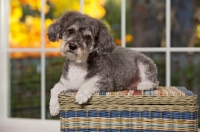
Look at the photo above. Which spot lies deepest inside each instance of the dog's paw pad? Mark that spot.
(54, 108)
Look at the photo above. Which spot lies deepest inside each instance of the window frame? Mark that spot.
(45, 124)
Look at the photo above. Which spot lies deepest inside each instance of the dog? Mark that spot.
(93, 61)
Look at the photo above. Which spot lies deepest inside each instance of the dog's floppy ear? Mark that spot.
(55, 30)
(105, 44)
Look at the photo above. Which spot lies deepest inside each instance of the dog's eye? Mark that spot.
(87, 37)
(71, 31)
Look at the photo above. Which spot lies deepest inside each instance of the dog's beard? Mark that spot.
(80, 55)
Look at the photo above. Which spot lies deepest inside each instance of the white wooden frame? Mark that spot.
(9, 124)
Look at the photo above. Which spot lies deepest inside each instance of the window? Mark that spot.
(168, 31)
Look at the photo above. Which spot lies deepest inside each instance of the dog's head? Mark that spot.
(81, 35)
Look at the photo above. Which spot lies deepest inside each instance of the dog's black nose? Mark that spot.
(72, 46)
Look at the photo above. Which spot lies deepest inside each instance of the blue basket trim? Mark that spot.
(131, 114)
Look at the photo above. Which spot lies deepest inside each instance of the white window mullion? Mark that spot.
(168, 68)
(33, 50)
(149, 49)
(43, 105)
(168, 48)
(4, 67)
(185, 49)
(123, 23)
(82, 6)
(7, 58)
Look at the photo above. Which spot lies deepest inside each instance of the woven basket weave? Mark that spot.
(165, 109)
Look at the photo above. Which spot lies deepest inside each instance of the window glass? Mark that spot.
(25, 24)
(145, 23)
(185, 71)
(25, 83)
(185, 23)
(54, 63)
(108, 11)
(112, 19)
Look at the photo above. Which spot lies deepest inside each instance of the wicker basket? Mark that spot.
(165, 109)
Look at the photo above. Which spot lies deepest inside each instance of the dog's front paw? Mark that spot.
(82, 97)
(145, 86)
(54, 107)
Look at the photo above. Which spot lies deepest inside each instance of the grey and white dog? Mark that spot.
(93, 62)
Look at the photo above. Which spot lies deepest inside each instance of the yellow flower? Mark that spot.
(16, 11)
(94, 8)
(35, 5)
(198, 30)
(62, 6)
(129, 38)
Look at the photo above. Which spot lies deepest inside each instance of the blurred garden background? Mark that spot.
(145, 27)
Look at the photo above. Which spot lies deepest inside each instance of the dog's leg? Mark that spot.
(147, 76)
(87, 90)
(54, 105)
